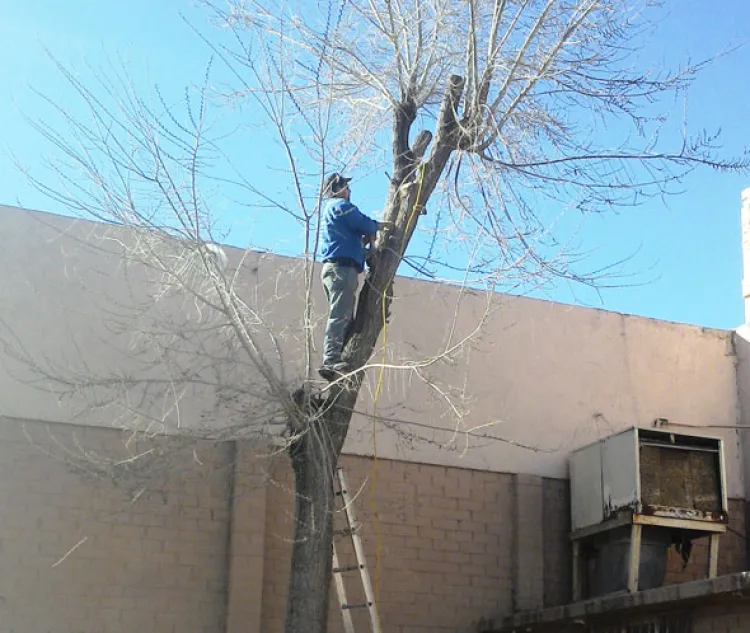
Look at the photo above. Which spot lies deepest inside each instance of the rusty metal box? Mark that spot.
(648, 472)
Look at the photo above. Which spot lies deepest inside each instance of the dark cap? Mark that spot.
(335, 183)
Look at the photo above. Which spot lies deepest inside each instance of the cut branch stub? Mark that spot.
(419, 147)
(447, 124)
(403, 117)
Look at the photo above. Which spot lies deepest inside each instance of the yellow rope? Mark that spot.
(376, 397)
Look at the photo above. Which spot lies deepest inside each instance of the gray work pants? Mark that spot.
(340, 285)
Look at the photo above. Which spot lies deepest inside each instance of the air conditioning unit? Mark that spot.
(643, 489)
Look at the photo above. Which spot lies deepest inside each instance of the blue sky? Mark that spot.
(688, 262)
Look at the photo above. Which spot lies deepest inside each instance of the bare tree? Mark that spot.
(501, 114)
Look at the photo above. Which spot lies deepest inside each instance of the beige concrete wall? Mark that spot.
(445, 540)
(73, 307)
(732, 551)
(549, 376)
(197, 538)
(85, 550)
(742, 349)
(248, 491)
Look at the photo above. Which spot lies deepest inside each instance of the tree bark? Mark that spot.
(307, 602)
(314, 460)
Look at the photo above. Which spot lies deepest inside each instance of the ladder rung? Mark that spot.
(341, 570)
(346, 531)
(359, 605)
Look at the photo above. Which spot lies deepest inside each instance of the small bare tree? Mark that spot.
(494, 112)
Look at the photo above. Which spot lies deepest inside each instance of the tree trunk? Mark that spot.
(315, 454)
(307, 602)
(314, 460)
(315, 457)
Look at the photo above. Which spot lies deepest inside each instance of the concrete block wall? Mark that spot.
(557, 550)
(731, 551)
(446, 538)
(78, 554)
(248, 492)
(204, 545)
(447, 546)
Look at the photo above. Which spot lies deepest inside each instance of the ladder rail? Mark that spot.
(359, 551)
(341, 591)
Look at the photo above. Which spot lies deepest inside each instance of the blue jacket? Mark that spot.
(343, 227)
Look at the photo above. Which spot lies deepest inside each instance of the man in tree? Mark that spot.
(344, 232)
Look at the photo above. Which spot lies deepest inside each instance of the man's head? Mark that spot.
(336, 186)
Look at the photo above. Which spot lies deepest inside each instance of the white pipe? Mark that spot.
(745, 219)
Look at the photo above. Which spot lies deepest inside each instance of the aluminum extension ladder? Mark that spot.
(352, 531)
